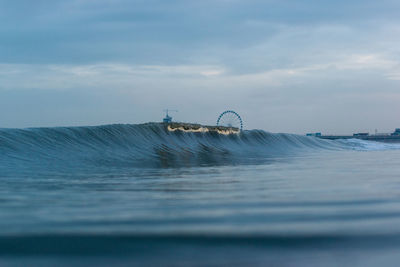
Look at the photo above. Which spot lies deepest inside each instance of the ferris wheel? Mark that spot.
(230, 118)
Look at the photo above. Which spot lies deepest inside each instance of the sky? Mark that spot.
(284, 66)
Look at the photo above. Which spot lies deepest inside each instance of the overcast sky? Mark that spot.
(285, 66)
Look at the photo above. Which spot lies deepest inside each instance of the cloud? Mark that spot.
(285, 65)
(116, 75)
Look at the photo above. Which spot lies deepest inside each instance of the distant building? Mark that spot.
(383, 134)
(313, 134)
(361, 134)
(167, 119)
(396, 132)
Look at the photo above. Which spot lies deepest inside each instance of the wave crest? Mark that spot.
(148, 145)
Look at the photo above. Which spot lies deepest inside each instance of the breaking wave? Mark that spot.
(152, 145)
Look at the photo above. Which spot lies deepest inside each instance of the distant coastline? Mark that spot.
(388, 137)
(377, 138)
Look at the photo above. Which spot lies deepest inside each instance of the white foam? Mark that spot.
(364, 145)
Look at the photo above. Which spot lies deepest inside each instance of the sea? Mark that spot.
(139, 195)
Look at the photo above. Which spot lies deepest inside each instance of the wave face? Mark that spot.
(152, 145)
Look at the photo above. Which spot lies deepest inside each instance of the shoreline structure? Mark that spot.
(198, 128)
(376, 138)
(387, 137)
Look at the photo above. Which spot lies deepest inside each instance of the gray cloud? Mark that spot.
(285, 65)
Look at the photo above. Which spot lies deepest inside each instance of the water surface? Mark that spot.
(125, 194)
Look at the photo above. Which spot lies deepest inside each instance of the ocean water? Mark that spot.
(126, 195)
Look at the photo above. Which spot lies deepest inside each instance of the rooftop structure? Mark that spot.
(168, 119)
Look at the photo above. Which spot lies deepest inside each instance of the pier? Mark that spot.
(229, 122)
(377, 138)
(388, 138)
(198, 128)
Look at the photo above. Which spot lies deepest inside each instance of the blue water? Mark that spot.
(127, 195)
